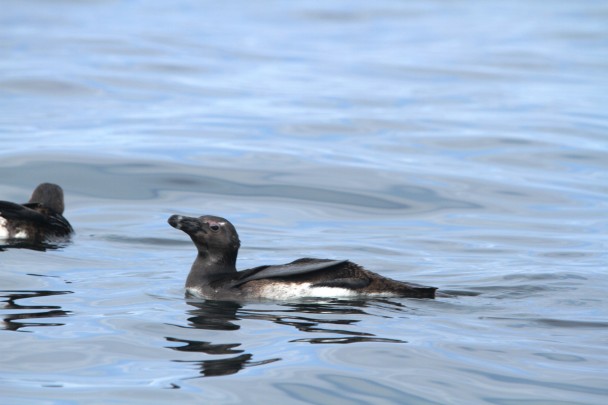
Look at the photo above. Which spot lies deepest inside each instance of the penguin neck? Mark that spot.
(208, 267)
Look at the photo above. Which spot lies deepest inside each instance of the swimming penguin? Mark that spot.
(41, 219)
(214, 276)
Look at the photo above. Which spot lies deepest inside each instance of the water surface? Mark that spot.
(460, 145)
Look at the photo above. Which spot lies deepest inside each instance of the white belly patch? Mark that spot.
(5, 234)
(283, 291)
(3, 230)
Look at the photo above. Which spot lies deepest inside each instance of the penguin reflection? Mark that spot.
(311, 317)
(216, 315)
(22, 318)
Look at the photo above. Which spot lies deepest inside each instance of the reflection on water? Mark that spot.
(16, 320)
(205, 347)
(225, 315)
(232, 365)
(348, 340)
(6, 244)
(318, 324)
(214, 315)
(221, 315)
(208, 368)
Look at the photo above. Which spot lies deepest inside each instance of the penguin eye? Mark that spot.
(214, 227)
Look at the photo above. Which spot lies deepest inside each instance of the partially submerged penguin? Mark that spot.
(39, 220)
(214, 276)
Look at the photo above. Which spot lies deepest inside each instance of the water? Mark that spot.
(460, 145)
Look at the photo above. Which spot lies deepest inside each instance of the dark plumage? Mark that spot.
(38, 220)
(214, 276)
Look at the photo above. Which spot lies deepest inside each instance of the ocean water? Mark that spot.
(458, 144)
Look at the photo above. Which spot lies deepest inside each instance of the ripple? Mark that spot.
(228, 366)
(45, 86)
(346, 340)
(555, 323)
(16, 315)
(435, 140)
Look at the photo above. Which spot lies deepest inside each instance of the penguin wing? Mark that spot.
(348, 283)
(10, 210)
(300, 266)
(37, 214)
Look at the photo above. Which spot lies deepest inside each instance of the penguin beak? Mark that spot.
(188, 225)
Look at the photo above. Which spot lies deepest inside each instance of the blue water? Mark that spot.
(455, 144)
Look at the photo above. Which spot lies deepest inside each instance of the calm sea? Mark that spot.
(459, 144)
